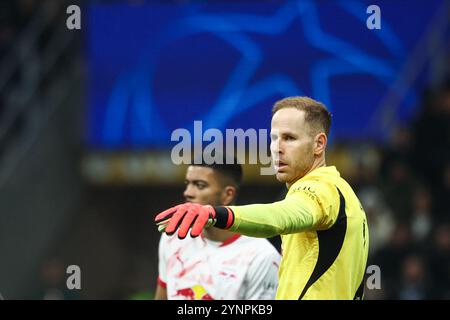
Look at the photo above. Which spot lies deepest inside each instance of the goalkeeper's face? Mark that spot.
(203, 187)
(292, 145)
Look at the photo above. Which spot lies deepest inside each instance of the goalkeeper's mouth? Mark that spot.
(280, 165)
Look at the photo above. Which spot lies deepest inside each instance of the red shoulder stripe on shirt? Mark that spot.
(231, 239)
(161, 283)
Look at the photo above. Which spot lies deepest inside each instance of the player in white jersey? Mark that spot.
(219, 264)
(202, 269)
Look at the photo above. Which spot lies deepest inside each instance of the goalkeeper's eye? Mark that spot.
(289, 138)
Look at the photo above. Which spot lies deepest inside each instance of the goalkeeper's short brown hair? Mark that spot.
(316, 114)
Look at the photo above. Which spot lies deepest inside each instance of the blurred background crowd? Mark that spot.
(404, 188)
(70, 195)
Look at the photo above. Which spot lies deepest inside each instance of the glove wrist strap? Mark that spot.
(224, 217)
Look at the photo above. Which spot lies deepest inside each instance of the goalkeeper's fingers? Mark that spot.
(163, 225)
(165, 216)
(176, 219)
(190, 216)
(189, 219)
(185, 217)
(163, 220)
(205, 219)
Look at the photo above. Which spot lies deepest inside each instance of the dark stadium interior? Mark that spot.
(54, 213)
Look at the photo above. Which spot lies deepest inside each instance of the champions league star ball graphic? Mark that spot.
(226, 63)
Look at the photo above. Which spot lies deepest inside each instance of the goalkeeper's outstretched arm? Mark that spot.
(268, 220)
(294, 214)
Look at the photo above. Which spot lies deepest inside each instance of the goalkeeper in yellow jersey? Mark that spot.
(322, 224)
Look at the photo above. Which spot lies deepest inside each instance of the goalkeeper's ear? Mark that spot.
(320, 144)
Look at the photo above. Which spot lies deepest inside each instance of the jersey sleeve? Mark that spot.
(162, 261)
(309, 205)
(262, 277)
(324, 199)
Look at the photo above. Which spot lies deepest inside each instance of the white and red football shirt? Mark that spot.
(241, 268)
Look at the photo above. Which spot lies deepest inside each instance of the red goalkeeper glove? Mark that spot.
(195, 217)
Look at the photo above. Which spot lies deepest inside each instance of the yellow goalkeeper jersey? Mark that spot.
(324, 234)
